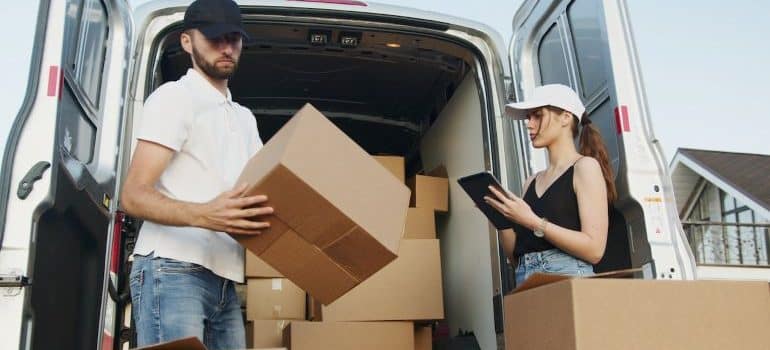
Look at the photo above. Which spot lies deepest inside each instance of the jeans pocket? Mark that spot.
(136, 282)
(560, 263)
(176, 266)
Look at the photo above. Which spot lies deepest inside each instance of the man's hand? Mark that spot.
(230, 212)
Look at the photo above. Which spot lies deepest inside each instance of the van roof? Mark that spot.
(147, 9)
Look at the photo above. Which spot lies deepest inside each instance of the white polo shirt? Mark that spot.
(214, 138)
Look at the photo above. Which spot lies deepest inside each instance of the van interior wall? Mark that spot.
(456, 141)
(67, 276)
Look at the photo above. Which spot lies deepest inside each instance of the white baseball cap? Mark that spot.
(556, 95)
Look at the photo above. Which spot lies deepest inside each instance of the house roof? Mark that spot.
(745, 173)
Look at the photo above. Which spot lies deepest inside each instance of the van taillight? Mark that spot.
(117, 235)
(339, 2)
(108, 333)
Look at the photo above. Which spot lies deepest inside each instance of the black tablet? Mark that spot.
(477, 186)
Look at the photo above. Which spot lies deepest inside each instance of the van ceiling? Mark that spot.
(383, 97)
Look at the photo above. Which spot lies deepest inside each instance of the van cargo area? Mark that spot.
(394, 93)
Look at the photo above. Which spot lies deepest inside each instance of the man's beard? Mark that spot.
(211, 69)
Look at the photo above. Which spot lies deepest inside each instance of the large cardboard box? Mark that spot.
(266, 333)
(256, 268)
(394, 164)
(339, 215)
(595, 313)
(429, 192)
(190, 343)
(420, 224)
(349, 336)
(274, 299)
(408, 289)
(423, 338)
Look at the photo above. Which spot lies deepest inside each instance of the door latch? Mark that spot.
(34, 174)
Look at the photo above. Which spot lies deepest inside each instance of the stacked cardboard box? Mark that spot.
(561, 312)
(338, 220)
(406, 291)
(189, 343)
(271, 304)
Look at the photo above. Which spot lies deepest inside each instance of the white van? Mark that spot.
(396, 80)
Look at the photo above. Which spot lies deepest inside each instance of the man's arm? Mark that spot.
(228, 212)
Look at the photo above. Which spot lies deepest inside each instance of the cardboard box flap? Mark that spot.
(191, 343)
(540, 279)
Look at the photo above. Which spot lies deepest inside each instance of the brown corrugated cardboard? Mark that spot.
(590, 313)
(324, 234)
(423, 338)
(274, 299)
(190, 343)
(267, 333)
(256, 268)
(394, 164)
(349, 336)
(410, 288)
(429, 192)
(420, 224)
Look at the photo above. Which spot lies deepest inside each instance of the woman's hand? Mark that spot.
(512, 207)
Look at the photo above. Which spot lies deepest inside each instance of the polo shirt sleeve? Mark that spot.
(165, 121)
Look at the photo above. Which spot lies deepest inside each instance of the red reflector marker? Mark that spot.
(53, 80)
(117, 233)
(622, 122)
(626, 123)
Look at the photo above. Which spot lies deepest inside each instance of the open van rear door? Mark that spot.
(57, 206)
(588, 45)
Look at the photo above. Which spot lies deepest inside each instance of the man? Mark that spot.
(193, 143)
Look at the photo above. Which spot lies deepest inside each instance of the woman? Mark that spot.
(560, 224)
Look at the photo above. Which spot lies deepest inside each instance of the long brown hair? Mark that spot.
(591, 144)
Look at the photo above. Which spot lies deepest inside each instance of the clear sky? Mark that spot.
(704, 65)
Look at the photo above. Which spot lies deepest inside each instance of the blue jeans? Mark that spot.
(174, 299)
(551, 261)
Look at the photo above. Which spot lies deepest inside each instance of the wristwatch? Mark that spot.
(540, 230)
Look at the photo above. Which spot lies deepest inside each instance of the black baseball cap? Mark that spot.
(215, 18)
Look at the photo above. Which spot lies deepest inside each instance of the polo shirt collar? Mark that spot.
(204, 88)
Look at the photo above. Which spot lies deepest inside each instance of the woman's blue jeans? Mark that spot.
(551, 261)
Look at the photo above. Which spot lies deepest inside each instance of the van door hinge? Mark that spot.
(34, 174)
(11, 281)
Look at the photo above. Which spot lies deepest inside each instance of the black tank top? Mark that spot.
(558, 204)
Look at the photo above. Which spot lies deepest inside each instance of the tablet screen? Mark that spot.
(477, 186)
